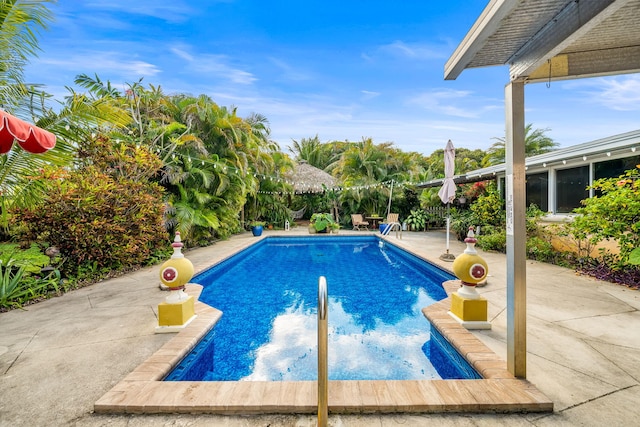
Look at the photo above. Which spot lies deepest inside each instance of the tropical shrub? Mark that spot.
(17, 287)
(105, 215)
(612, 215)
(488, 209)
(321, 221)
(492, 239)
(418, 219)
(408, 199)
(461, 220)
(30, 256)
(540, 249)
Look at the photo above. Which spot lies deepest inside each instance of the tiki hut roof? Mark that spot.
(307, 178)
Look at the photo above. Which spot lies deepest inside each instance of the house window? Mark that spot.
(571, 188)
(537, 186)
(614, 168)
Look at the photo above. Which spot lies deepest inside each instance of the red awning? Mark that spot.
(30, 137)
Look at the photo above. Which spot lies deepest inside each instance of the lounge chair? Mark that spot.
(358, 222)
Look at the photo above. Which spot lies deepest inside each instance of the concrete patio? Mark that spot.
(59, 357)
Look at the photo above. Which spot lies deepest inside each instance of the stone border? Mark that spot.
(143, 391)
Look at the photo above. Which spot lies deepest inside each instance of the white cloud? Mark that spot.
(458, 103)
(174, 11)
(419, 51)
(291, 352)
(289, 72)
(620, 93)
(217, 66)
(181, 51)
(369, 94)
(103, 63)
(293, 117)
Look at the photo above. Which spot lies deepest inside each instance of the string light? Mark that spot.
(308, 188)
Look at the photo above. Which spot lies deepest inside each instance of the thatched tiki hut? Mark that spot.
(309, 179)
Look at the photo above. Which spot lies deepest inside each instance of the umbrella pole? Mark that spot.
(389, 204)
(448, 224)
(447, 256)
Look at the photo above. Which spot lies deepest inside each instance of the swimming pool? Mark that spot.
(268, 294)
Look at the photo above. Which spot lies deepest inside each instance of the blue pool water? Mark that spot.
(268, 331)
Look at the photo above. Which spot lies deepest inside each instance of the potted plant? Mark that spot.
(417, 220)
(335, 227)
(320, 222)
(256, 227)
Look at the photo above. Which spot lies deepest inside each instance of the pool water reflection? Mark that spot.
(268, 296)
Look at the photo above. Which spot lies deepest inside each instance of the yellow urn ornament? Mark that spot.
(176, 272)
(470, 268)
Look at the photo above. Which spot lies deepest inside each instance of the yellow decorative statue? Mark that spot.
(178, 309)
(176, 272)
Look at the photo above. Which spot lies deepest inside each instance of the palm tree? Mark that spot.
(20, 23)
(367, 170)
(307, 149)
(535, 140)
(232, 153)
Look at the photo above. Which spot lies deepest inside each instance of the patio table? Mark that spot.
(374, 221)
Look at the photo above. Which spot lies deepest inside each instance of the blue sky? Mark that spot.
(342, 70)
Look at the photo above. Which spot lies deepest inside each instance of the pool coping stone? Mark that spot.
(143, 391)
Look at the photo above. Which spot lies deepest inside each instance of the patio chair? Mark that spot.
(392, 218)
(358, 222)
(392, 223)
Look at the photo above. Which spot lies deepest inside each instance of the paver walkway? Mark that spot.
(58, 357)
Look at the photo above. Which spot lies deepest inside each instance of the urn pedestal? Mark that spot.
(178, 309)
(467, 306)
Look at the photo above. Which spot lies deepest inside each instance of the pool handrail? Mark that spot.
(323, 375)
(390, 227)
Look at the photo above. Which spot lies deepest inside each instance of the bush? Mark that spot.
(615, 215)
(17, 287)
(30, 256)
(418, 219)
(492, 239)
(94, 218)
(488, 209)
(103, 216)
(461, 220)
(540, 250)
(321, 221)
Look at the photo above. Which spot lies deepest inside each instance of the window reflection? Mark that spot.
(571, 188)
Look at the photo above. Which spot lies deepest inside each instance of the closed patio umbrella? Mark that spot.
(30, 137)
(448, 191)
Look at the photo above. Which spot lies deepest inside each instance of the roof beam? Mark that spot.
(588, 64)
(571, 23)
(475, 39)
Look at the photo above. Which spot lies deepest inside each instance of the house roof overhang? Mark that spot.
(544, 40)
(616, 146)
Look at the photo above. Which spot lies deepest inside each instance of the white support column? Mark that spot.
(551, 187)
(516, 231)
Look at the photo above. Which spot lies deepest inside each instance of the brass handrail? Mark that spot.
(323, 375)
